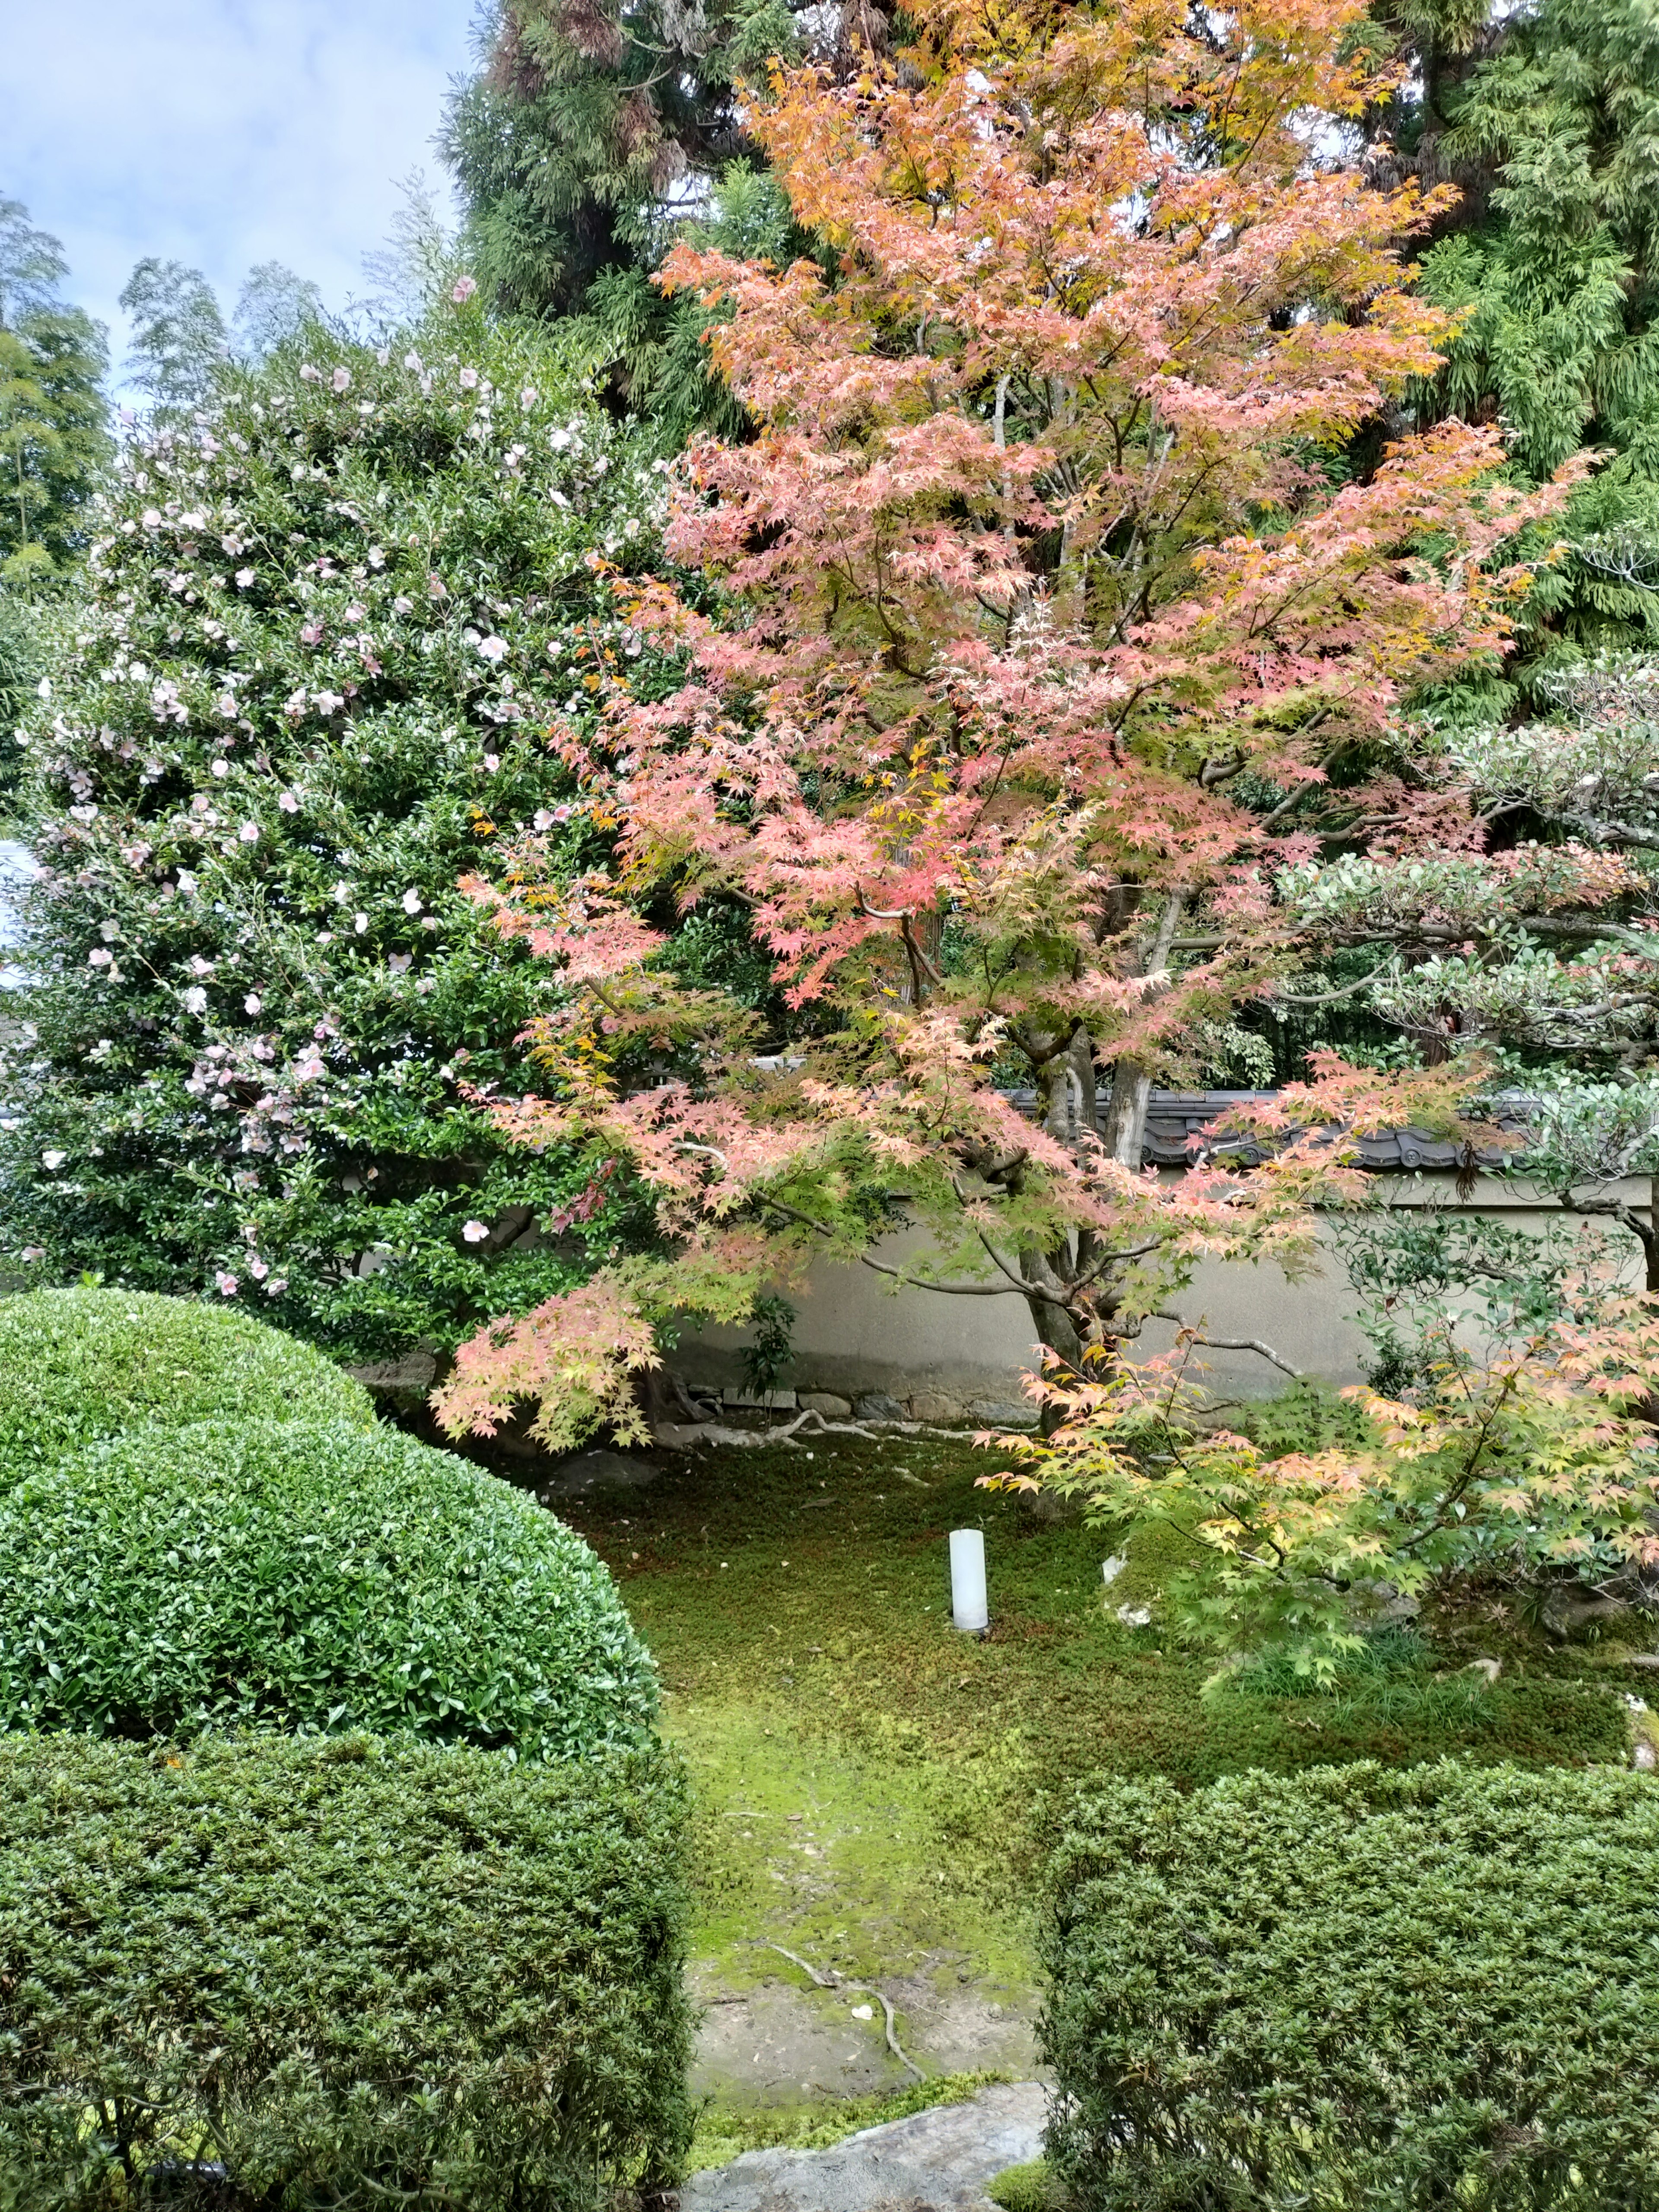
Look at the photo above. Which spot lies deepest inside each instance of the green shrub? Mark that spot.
(304, 687)
(79, 1365)
(1357, 1987)
(340, 1974)
(306, 1575)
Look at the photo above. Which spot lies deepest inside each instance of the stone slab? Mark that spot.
(939, 2161)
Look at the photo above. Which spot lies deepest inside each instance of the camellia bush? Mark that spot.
(78, 1366)
(303, 1576)
(306, 690)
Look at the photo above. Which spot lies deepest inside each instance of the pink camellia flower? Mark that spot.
(198, 966)
(311, 633)
(492, 761)
(99, 957)
(221, 768)
(377, 556)
(543, 819)
(327, 702)
(475, 1231)
(227, 705)
(356, 611)
(289, 802)
(258, 1269)
(310, 375)
(279, 1284)
(251, 1004)
(398, 963)
(151, 518)
(529, 395)
(33, 1252)
(244, 578)
(413, 362)
(400, 606)
(436, 588)
(249, 833)
(469, 380)
(341, 378)
(493, 649)
(227, 1285)
(463, 291)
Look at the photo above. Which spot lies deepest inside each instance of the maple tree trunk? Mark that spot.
(1125, 1132)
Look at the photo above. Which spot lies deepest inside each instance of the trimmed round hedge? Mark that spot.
(79, 1365)
(305, 1575)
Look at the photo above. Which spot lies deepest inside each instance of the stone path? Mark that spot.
(935, 2162)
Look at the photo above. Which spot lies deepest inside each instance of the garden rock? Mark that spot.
(827, 1404)
(873, 1405)
(939, 2161)
(934, 1406)
(598, 1470)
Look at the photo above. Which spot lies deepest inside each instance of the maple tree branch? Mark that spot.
(1232, 1343)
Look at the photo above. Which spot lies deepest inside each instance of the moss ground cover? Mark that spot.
(873, 1789)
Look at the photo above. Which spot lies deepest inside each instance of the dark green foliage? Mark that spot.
(80, 1366)
(1555, 138)
(577, 142)
(341, 1974)
(308, 689)
(308, 1576)
(1357, 1987)
(54, 445)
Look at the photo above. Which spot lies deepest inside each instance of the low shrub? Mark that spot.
(78, 1365)
(306, 1575)
(270, 1973)
(1358, 1987)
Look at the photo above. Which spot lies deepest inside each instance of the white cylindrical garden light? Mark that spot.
(969, 1609)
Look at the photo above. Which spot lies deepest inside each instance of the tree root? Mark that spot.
(680, 1435)
(832, 1980)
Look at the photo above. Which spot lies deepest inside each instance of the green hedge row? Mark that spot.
(1357, 1987)
(305, 1574)
(270, 1973)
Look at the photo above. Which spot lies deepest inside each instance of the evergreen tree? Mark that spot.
(1555, 138)
(179, 341)
(54, 443)
(273, 305)
(589, 127)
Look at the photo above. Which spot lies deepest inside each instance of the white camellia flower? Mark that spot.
(251, 1003)
(244, 578)
(99, 957)
(493, 649)
(412, 901)
(249, 833)
(196, 1000)
(221, 768)
(475, 1231)
(360, 923)
(53, 1161)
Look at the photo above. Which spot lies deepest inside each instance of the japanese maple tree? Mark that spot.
(1049, 592)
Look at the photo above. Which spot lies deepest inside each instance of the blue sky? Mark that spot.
(221, 132)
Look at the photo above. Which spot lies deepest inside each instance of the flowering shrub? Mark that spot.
(304, 692)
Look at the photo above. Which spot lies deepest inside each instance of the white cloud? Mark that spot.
(222, 132)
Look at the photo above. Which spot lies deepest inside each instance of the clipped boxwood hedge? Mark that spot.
(306, 1575)
(279, 1973)
(77, 1366)
(1358, 1987)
